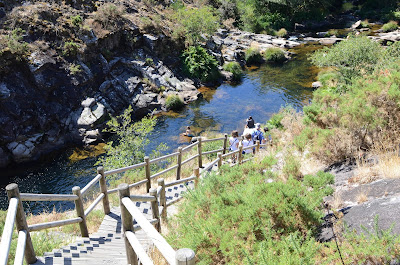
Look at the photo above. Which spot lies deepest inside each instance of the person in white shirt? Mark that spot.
(234, 144)
(247, 142)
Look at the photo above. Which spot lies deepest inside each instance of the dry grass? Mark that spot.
(362, 197)
(337, 201)
(157, 257)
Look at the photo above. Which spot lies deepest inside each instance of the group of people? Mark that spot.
(252, 133)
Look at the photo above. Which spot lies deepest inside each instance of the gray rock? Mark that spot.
(5, 93)
(329, 41)
(322, 34)
(88, 103)
(316, 84)
(356, 25)
(228, 76)
(38, 60)
(150, 41)
(90, 116)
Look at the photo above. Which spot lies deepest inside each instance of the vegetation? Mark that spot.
(74, 69)
(253, 56)
(15, 44)
(149, 61)
(71, 49)
(390, 26)
(109, 15)
(235, 69)
(281, 33)
(174, 102)
(274, 55)
(77, 20)
(199, 64)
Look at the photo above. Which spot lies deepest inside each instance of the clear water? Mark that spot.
(262, 92)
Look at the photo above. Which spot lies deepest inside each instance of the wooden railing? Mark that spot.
(157, 198)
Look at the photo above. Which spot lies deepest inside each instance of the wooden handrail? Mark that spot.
(21, 244)
(213, 151)
(121, 170)
(8, 231)
(163, 157)
(186, 148)
(173, 183)
(94, 204)
(143, 198)
(163, 172)
(212, 140)
(130, 186)
(166, 250)
(41, 226)
(47, 197)
(90, 184)
(138, 248)
(189, 159)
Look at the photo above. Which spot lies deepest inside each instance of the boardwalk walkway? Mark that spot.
(107, 245)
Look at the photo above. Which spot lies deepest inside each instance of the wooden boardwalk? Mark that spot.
(107, 245)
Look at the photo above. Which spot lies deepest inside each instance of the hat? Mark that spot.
(258, 126)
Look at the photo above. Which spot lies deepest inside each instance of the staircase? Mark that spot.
(107, 245)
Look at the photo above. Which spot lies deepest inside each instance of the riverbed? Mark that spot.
(262, 92)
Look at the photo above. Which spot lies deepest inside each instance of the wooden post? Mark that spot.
(103, 189)
(147, 168)
(20, 219)
(196, 172)
(240, 156)
(185, 256)
(258, 146)
(179, 168)
(200, 153)
(163, 199)
(154, 209)
(127, 223)
(220, 160)
(80, 211)
(225, 143)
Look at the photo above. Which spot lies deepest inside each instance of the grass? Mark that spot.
(390, 26)
(274, 55)
(174, 102)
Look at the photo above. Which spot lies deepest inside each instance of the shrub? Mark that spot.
(333, 32)
(70, 49)
(235, 69)
(291, 167)
(352, 58)
(274, 55)
(329, 78)
(390, 26)
(75, 69)
(281, 33)
(365, 24)
(253, 56)
(199, 64)
(174, 102)
(149, 61)
(109, 15)
(77, 20)
(14, 42)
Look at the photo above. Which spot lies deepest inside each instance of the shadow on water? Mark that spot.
(262, 92)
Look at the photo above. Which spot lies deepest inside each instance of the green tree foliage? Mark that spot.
(199, 64)
(352, 58)
(192, 24)
(128, 149)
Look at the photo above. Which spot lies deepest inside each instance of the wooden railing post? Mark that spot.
(220, 160)
(225, 143)
(196, 172)
(163, 199)
(80, 211)
(154, 209)
(200, 153)
(147, 169)
(103, 189)
(179, 168)
(240, 156)
(127, 223)
(258, 146)
(20, 219)
(185, 256)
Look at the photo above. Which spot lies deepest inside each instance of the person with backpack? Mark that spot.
(258, 135)
(234, 144)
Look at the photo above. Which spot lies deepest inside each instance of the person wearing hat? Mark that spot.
(258, 135)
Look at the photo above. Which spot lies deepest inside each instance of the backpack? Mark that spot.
(257, 137)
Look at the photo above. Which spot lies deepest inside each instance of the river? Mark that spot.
(262, 92)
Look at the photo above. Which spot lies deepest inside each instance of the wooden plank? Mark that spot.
(121, 170)
(166, 250)
(91, 207)
(212, 140)
(8, 231)
(190, 159)
(174, 201)
(230, 153)
(138, 228)
(210, 165)
(142, 198)
(41, 226)
(213, 151)
(90, 184)
(249, 147)
(47, 197)
(173, 183)
(163, 172)
(163, 157)
(139, 250)
(190, 146)
(20, 252)
(130, 186)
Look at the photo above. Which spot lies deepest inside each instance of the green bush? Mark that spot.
(14, 42)
(253, 56)
(70, 49)
(390, 26)
(329, 78)
(281, 33)
(149, 61)
(174, 102)
(235, 69)
(199, 64)
(76, 20)
(365, 24)
(333, 32)
(274, 55)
